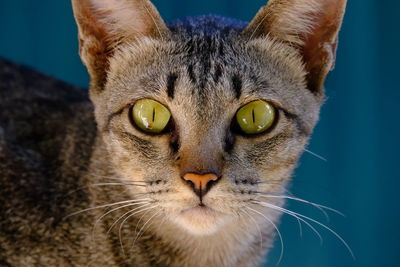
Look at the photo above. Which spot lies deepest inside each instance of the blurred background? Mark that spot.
(358, 134)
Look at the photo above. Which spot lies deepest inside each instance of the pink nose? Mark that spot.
(201, 182)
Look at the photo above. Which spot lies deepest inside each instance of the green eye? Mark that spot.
(150, 116)
(255, 117)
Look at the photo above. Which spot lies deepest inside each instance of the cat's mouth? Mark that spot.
(200, 208)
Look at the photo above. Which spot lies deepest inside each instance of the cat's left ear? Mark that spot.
(105, 24)
(311, 26)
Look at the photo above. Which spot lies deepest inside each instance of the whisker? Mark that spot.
(297, 219)
(280, 183)
(93, 185)
(271, 182)
(103, 184)
(123, 215)
(140, 220)
(164, 220)
(140, 233)
(300, 227)
(314, 221)
(123, 222)
(258, 227)
(118, 179)
(316, 155)
(277, 230)
(106, 205)
(301, 185)
(114, 209)
(283, 187)
(322, 208)
(292, 213)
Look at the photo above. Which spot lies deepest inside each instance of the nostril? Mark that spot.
(190, 183)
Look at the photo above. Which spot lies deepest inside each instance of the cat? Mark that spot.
(183, 152)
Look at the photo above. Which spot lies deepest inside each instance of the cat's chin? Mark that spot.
(201, 220)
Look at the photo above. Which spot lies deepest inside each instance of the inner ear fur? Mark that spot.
(311, 26)
(105, 24)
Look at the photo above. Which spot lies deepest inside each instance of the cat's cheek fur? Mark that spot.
(125, 164)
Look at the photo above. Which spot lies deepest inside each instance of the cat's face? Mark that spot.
(203, 137)
(203, 81)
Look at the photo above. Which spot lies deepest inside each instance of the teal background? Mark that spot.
(358, 132)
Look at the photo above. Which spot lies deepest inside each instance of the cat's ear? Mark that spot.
(105, 24)
(311, 26)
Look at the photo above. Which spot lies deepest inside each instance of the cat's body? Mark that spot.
(47, 147)
(57, 159)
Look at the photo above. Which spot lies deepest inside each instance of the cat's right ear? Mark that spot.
(105, 24)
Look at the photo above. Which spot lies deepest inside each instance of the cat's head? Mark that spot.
(207, 114)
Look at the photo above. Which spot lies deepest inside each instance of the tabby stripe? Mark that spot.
(237, 85)
(298, 122)
(218, 73)
(171, 84)
(192, 76)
